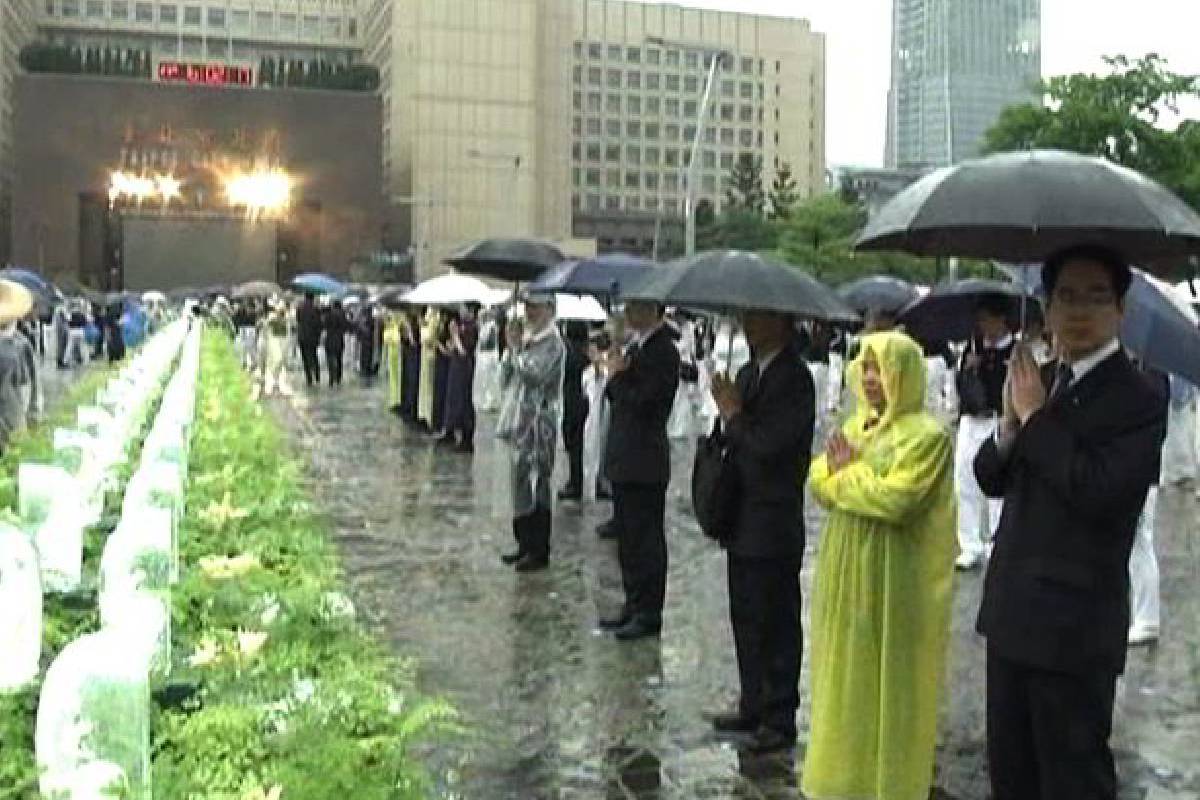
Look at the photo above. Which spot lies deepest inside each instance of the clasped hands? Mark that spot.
(839, 452)
(727, 397)
(1024, 392)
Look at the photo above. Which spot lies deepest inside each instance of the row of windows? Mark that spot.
(633, 129)
(652, 181)
(691, 59)
(635, 203)
(213, 18)
(635, 105)
(654, 81)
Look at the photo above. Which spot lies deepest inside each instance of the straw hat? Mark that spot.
(15, 301)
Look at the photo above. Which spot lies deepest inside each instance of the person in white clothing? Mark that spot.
(980, 384)
(1144, 598)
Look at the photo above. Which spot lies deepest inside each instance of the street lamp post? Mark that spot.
(715, 56)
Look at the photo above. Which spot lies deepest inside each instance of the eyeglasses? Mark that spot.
(1069, 297)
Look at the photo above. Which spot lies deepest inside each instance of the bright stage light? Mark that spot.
(168, 188)
(122, 184)
(260, 191)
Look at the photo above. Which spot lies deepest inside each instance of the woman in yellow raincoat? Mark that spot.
(391, 359)
(884, 585)
(429, 338)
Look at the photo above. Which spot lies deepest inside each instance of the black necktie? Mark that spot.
(1063, 376)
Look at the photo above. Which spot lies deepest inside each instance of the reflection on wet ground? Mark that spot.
(561, 711)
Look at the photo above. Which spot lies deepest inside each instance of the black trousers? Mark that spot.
(532, 532)
(1048, 732)
(638, 510)
(764, 608)
(333, 360)
(572, 431)
(312, 366)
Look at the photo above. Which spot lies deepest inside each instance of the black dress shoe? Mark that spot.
(531, 563)
(615, 622)
(768, 740)
(512, 558)
(570, 493)
(733, 723)
(607, 530)
(638, 628)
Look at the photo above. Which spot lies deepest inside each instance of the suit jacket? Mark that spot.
(771, 445)
(640, 399)
(1074, 481)
(575, 404)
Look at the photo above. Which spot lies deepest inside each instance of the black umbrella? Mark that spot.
(878, 293)
(518, 260)
(603, 276)
(733, 280)
(1024, 206)
(947, 313)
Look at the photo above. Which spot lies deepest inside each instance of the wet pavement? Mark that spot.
(558, 710)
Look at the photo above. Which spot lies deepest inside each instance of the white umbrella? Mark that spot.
(579, 308)
(450, 289)
(1189, 289)
(154, 297)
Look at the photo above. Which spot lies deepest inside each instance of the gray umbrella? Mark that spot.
(257, 289)
(733, 280)
(878, 293)
(1024, 206)
(507, 259)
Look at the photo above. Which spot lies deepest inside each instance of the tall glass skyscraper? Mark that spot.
(956, 64)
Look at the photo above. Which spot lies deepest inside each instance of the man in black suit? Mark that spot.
(575, 407)
(768, 416)
(641, 390)
(1073, 464)
(308, 337)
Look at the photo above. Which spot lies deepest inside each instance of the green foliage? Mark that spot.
(783, 195)
(1116, 116)
(744, 185)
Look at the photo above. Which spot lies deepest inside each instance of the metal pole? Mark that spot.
(690, 196)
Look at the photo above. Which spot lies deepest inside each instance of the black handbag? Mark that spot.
(716, 488)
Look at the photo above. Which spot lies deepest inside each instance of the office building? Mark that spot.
(956, 64)
(18, 25)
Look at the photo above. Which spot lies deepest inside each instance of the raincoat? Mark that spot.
(532, 386)
(883, 591)
(391, 358)
(429, 339)
(274, 341)
(20, 384)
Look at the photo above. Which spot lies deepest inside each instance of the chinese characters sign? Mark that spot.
(205, 74)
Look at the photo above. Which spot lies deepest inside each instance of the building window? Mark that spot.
(50, 7)
(651, 156)
(614, 52)
(70, 8)
(577, 126)
(633, 154)
(672, 133)
(575, 202)
(672, 107)
(168, 15)
(576, 177)
(727, 112)
(746, 138)
(333, 27)
(592, 178)
(651, 180)
(727, 88)
(633, 203)
(193, 48)
(239, 19)
(613, 178)
(691, 84)
(652, 81)
(653, 106)
(577, 101)
(653, 55)
(690, 108)
(671, 157)
(671, 182)
(594, 102)
(216, 18)
(708, 184)
(577, 75)
(692, 60)
(612, 203)
(312, 27)
(579, 49)
(633, 180)
(727, 137)
(612, 127)
(672, 83)
(192, 16)
(651, 202)
(576, 152)
(612, 104)
(651, 130)
(595, 76)
(689, 134)
(264, 22)
(614, 79)
(593, 126)
(726, 160)
(746, 114)
(94, 9)
(746, 91)
(709, 160)
(747, 66)
(144, 13)
(633, 105)
(634, 55)
(287, 24)
(120, 9)
(710, 135)
(633, 129)
(593, 202)
(612, 152)
(633, 80)
(672, 58)
(593, 151)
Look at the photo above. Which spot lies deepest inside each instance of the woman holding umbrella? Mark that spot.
(460, 404)
(884, 584)
(429, 341)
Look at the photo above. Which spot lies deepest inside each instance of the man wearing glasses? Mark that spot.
(1073, 458)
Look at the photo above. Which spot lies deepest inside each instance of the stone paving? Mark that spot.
(558, 710)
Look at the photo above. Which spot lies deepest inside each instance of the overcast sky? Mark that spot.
(1075, 34)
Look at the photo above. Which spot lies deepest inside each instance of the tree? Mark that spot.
(783, 192)
(1116, 116)
(744, 186)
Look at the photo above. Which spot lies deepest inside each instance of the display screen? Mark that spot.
(205, 74)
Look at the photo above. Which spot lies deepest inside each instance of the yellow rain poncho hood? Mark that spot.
(883, 589)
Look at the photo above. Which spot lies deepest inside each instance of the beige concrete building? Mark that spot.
(18, 24)
(638, 78)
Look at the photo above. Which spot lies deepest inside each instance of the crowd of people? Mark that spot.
(1033, 453)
